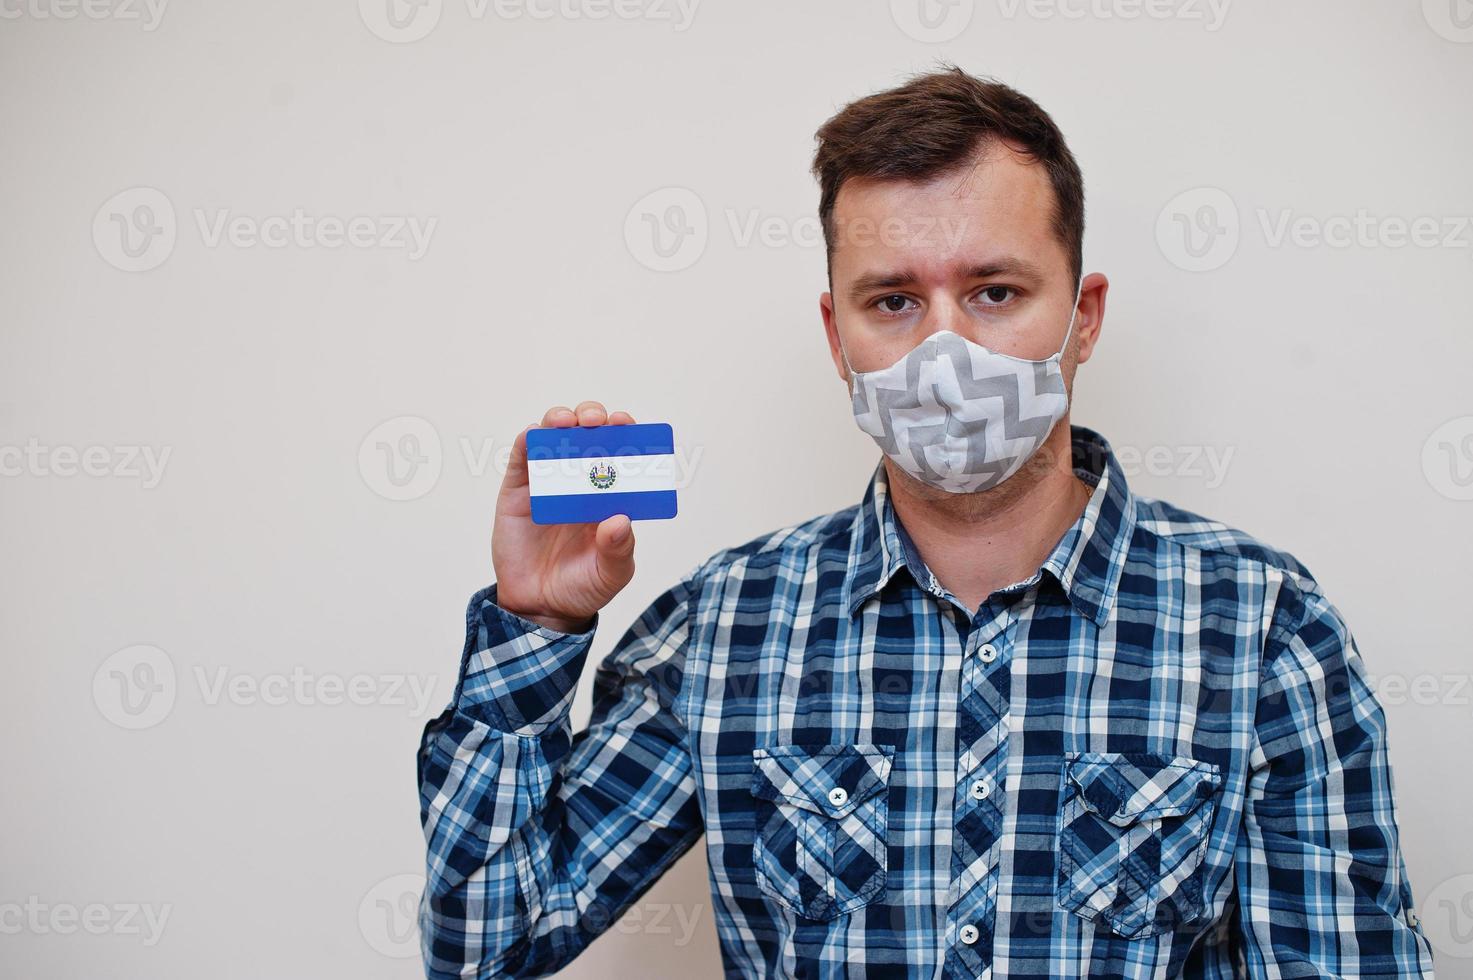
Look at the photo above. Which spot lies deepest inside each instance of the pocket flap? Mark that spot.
(829, 779)
(1125, 787)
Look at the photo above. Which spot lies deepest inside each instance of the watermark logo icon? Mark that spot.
(1447, 458)
(135, 229)
(1451, 19)
(388, 916)
(135, 688)
(400, 21)
(401, 458)
(932, 21)
(1199, 229)
(667, 230)
(1447, 916)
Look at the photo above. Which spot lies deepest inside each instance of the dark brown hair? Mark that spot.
(933, 125)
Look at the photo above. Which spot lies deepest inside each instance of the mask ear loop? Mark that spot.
(1073, 315)
(848, 368)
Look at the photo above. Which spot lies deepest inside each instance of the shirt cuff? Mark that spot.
(516, 675)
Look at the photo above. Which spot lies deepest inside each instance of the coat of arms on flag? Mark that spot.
(602, 475)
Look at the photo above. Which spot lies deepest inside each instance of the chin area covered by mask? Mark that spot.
(960, 416)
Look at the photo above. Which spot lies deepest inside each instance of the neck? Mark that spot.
(977, 543)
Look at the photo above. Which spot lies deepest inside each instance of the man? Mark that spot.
(1001, 718)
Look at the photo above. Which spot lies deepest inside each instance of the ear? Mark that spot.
(1091, 314)
(831, 331)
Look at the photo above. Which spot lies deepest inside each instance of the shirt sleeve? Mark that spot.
(1322, 886)
(538, 839)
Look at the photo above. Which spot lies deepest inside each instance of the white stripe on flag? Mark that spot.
(632, 474)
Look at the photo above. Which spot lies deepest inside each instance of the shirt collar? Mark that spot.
(1087, 561)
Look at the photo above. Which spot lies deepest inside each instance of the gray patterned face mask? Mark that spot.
(958, 415)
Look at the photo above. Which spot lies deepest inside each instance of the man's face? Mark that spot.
(973, 252)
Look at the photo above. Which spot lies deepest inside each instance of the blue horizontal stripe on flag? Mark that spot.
(580, 508)
(578, 442)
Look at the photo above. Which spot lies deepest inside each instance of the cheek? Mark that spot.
(871, 353)
(875, 346)
(1067, 368)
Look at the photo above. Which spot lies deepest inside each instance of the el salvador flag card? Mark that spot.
(579, 474)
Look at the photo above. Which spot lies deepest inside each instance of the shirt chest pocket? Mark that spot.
(1133, 831)
(821, 825)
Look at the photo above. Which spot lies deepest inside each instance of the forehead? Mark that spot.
(999, 203)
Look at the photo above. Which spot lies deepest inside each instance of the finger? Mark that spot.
(561, 416)
(621, 418)
(516, 464)
(613, 541)
(591, 413)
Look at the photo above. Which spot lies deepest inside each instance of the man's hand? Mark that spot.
(557, 575)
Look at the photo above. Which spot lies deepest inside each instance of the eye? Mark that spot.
(997, 295)
(893, 305)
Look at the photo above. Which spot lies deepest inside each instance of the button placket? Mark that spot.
(983, 728)
(989, 629)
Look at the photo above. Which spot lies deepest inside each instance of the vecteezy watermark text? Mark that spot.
(406, 21)
(402, 458)
(148, 13)
(136, 230)
(137, 687)
(1199, 230)
(143, 463)
(1209, 13)
(41, 918)
(668, 229)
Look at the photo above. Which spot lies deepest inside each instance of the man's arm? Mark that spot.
(538, 839)
(1322, 886)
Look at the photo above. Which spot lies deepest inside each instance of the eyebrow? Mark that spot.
(1015, 268)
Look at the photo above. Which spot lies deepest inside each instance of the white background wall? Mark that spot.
(282, 839)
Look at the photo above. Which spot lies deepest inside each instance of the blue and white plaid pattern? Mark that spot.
(1157, 756)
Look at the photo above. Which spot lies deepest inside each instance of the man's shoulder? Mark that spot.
(823, 536)
(1217, 539)
(1300, 606)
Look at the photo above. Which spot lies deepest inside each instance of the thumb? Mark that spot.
(614, 545)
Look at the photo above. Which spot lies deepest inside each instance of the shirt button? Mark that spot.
(838, 796)
(981, 789)
(969, 934)
(988, 653)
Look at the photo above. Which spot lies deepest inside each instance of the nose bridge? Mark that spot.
(944, 312)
